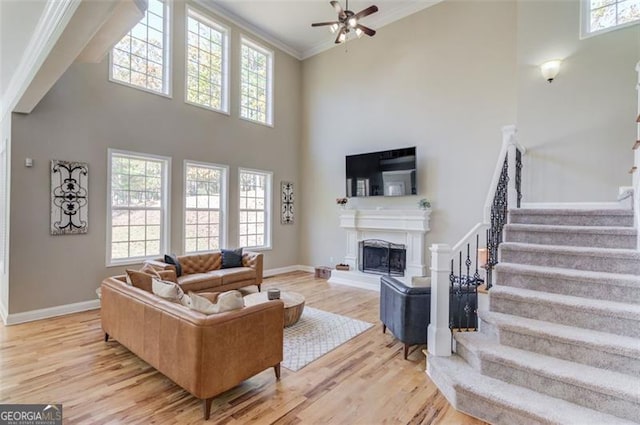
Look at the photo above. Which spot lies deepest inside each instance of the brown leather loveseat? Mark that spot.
(204, 354)
(204, 272)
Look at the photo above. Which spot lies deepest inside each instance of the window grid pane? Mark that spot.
(137, 207)
(605, 14)
(203, 200)
(139, 58)
(254, 84)
(206, 65)
(253, 212)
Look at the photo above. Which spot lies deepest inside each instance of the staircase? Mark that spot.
(560, 343)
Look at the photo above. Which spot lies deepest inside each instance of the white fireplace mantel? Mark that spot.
(400, 226)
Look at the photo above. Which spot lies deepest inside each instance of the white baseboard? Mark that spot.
(3, 313)
(287, 269)
(575, 205)
(46, 313)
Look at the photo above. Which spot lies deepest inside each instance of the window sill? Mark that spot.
(265, 124)
(144, 89)
(197, 105)
(129, 262)
(257, 248)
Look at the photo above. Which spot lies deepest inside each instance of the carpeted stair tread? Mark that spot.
(602, 381)
(613, 279)
(623, 253)
(591, 230)
(563, 302)
(524, 404)
(590, 236)
(572, 217)
(603, 341)
(571, 212)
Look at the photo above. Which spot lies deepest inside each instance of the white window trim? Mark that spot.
(168, 54)
(270, 81)
(225, 58)
(268, 208)
(585, 22)
(165, 226)
(224, 202)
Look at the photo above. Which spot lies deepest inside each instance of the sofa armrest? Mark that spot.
(160, 265)
(253, 260)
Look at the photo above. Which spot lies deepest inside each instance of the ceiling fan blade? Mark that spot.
(342, 31)
(338, 9)
(366, 12)
(320, 24)
(366, 30)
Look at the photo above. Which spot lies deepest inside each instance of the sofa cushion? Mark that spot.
(226, 301)
(233, 275)
(173, 260)
(142, 278)
(170, 291)
(200, 263)
(231, 258)
(199, 281)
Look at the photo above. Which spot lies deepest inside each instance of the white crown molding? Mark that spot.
(375, 22)
(46, 313)
(52, 22)
(249, 27)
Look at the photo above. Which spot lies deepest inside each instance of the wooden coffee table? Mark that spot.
(293, 304)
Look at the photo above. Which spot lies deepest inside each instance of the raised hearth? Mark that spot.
(407, 227)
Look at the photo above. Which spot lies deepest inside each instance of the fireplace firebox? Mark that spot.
(382, 257)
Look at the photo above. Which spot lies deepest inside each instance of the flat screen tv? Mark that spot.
(386, 173)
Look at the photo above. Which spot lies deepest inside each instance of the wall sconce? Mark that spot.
(550, 69)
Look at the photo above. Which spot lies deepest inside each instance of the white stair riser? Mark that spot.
(568, 350)
(587, 288)
(575, 261)
(556, 387)
(571, 239)
(572, 220)
(582, 318)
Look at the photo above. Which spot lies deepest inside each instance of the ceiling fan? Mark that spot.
(348, 21)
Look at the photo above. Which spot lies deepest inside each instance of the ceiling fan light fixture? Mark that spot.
(334, 28)
(353, 21)
(342, 38)
(359, 32)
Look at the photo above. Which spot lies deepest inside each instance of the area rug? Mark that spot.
(316, 333)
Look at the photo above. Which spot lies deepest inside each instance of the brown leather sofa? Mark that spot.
(204, 354)
(204, 272)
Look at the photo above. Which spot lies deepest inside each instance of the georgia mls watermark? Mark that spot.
(30, 414)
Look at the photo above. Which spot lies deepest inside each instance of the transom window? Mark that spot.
(137, 218)
(207, 64)
(205, 201)
(256, 82)
(603, 15)
(255, 209)
(141, 58)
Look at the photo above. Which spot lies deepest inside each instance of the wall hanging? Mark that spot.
(69, 197)
(286, 213)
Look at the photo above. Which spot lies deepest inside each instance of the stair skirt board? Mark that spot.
(560, 343)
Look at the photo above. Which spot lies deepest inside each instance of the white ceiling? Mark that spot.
(287, 23)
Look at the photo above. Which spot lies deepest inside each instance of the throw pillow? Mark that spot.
(140, 279)
(173, 259)
(170, 291)
(231, 258)
(226, 301)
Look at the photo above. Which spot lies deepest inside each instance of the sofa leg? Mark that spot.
(276, 369)
(259, 287)
(106, 337)
(406, 351)
(384, 328)
(206, 407)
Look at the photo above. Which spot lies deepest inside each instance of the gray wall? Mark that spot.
(443, 80)
(84, 114)
(579, 129)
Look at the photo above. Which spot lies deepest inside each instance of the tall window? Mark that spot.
(141, 58)
(256, 83)
(138, 225)
(602, 15)
(255, 209)
(205, 200)
(207, 64)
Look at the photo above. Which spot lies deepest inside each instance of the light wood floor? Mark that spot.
(365, 381)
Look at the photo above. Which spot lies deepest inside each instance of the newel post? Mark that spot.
(509, 140)
(438, 332)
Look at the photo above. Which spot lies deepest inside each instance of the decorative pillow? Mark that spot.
(173, 259)
(140, 279)
(169, 275)
(231, 258)
(226, 301)
(170, 291)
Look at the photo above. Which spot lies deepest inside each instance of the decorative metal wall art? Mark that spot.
(69, 197)
(286, 200)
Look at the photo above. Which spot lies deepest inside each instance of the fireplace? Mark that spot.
(382, 257)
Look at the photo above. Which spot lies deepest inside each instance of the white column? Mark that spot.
(438, 332)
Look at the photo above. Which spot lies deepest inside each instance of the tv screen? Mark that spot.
(386, 173)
